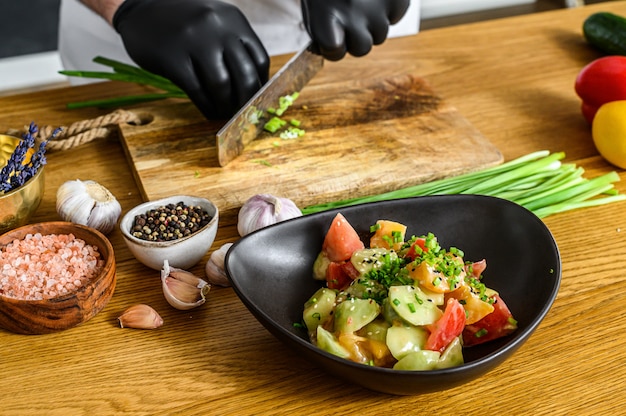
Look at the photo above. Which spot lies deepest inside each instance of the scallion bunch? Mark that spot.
(538, 181)
(126, 73)
(18, 170)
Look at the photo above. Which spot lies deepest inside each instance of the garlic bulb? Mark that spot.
(262, 210)
(182, 289)
(141, 317)
(88, 203)
(214, 268)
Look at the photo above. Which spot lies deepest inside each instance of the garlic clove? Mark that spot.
(104, 216)
(140, 317)
(185, 276)
(183, 290)
(263, 210)
(214, 269)
(88, 203)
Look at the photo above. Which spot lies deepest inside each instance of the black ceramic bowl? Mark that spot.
(271, 272)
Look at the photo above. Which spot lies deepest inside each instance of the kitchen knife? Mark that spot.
(248, 123)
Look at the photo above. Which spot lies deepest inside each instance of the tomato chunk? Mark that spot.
(448, 327)
(341, 240)
(337, 276)
(497, 324)
(388, 234)
(350, 270)
(412, 253)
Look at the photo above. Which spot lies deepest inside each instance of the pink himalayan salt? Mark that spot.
(47, 266)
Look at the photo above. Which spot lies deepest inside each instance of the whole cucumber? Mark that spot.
(607, 32)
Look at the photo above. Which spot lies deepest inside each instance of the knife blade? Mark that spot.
(248, 123)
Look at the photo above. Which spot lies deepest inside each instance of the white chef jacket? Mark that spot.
(83, 34)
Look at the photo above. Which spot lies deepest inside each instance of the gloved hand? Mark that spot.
(205, 47)
(338, 27)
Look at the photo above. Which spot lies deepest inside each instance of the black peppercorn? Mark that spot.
(170, 222)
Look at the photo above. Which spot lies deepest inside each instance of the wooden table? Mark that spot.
(513, 79)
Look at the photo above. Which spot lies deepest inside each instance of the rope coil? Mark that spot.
(84, 131)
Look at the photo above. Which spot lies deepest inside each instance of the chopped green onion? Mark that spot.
(291, 133)
(481, 333)
(274, 124)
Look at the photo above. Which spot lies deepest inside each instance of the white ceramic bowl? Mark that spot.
(182, 253)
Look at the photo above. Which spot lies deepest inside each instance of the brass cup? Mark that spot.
(17, 206)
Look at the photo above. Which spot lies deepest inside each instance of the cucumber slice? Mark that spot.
(369, 259)
(413, 306)
(436, 298)
(389, 314)
(375, 330)
(328, 342)
(403, 340)
(452, 356)
(320, 266)
(353, 314)
(418, 361)
(365, 289)
(319, 308)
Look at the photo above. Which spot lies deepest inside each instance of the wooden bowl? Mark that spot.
(66, 311)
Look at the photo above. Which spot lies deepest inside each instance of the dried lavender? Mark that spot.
(16, 173)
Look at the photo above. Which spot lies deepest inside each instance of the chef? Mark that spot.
(218, 51)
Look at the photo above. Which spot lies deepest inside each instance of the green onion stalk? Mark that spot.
(126, 73)
(538, 181)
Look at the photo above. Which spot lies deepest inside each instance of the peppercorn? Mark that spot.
(169, 222)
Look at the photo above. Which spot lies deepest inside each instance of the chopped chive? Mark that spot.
(481, 333)
(274, 124)
(418, 299)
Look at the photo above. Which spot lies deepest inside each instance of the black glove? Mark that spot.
(205, 47)
(340, 26)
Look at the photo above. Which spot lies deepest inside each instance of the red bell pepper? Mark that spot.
(601, 81)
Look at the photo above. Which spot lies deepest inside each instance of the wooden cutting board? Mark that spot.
(362, 138)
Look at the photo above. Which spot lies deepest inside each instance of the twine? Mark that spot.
(84, 131)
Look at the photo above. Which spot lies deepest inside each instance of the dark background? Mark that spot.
(28, 26)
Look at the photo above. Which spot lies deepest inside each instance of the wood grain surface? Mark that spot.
(512, 79)
(363, 137)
